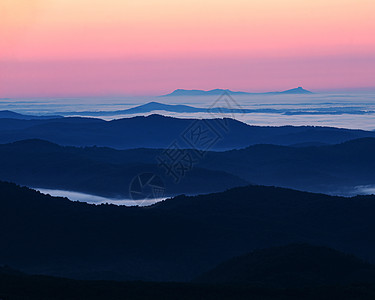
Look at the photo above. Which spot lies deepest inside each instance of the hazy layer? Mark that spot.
(93, 199)
(350, 110)
(97, 200)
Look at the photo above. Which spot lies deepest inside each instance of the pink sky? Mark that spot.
(82, 47)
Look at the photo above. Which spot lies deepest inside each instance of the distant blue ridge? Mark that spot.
(182, 92)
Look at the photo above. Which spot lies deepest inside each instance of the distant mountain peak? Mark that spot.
(298, 90)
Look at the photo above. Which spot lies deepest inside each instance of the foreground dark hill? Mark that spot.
(341, 278)
(177, 239)
(336, 169)
(298, 265)
(21, 286)
(156, 131)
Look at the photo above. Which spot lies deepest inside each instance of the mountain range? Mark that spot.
(99, 171)
(157, 131)
(224, 232)
(221, 111)
(218, 92)
(335, 169)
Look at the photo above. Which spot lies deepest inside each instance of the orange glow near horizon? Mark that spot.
(46, 32)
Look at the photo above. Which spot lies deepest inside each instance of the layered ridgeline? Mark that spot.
(345, 168)
(100, 171)
(7, 114)
(177, 239)
(157, 131)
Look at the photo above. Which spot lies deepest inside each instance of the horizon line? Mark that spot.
(315, 91)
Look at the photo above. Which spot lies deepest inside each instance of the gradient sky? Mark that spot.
(114, 47)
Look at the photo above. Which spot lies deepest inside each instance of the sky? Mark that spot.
(149, 47)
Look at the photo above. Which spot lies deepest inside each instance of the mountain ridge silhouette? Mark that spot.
(217, 92)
